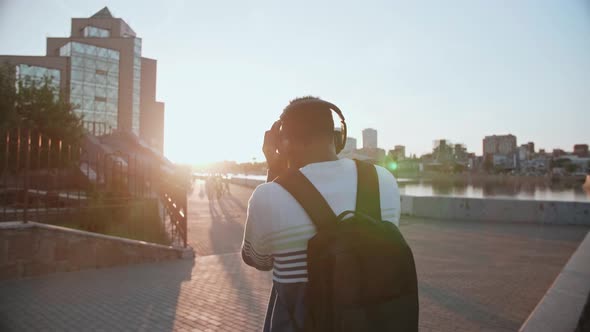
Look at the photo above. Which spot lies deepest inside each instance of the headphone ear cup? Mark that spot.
(343, 135)
(338, 141)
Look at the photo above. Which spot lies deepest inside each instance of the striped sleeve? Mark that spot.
(255, 252)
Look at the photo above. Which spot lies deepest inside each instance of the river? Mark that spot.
(574, 193)
(527, 191)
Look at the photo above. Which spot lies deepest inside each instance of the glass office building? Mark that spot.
(91, 31)
(100, 69)
(136, 85)
(28, 75)
(94, 82)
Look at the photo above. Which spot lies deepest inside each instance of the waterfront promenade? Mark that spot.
(472, 276)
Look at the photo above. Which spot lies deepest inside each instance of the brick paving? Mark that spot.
(473, 277)
(217, 227)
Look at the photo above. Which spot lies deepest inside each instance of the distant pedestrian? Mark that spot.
(210, 188)
(227, 185)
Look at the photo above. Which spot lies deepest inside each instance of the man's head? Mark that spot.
(307, 131)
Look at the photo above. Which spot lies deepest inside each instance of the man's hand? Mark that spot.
(276, 163)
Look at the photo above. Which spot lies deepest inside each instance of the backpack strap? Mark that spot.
(367, 191)
(312, 201)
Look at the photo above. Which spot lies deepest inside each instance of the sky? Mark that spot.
(414, 70)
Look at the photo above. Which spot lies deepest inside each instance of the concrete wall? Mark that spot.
(34, 249)
(486, 209)
(500, 210)
(247, 182)
(563, 304)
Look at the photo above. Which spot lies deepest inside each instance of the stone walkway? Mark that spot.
(473, 277)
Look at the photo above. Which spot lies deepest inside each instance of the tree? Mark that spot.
(488, 164)
(7, 96)
(571, 167)
(37, 106)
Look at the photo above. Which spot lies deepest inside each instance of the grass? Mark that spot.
(136, 219)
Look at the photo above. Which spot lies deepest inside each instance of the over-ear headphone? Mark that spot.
(339, 135)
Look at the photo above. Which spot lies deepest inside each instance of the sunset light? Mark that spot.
(284, 166)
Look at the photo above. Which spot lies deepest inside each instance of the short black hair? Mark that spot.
(306, 118)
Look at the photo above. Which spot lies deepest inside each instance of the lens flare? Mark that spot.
(392, 166)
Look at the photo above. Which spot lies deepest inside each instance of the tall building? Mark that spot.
(100, 69)
(369, 138)
(350, 145)
(499, 144)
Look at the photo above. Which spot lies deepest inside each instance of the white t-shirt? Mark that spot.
(277, 227)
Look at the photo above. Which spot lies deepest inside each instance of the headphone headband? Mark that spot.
(307, 103)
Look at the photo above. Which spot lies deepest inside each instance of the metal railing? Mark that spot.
(48, 180)
(174, 198)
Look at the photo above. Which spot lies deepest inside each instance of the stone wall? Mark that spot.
(34, 249)
(499, 210)
(562, 307)
(251, 183)
(486, 209)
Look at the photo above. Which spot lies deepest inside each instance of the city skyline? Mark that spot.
(413, 72)
(452, 141)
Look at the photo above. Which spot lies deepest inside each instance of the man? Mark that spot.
(277, 227)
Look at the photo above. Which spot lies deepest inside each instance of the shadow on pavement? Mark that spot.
(463, 306)
(226, 236)
(138, 297)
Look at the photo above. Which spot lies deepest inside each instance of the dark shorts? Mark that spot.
(285, 298)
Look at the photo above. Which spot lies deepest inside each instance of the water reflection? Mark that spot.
(514, 190)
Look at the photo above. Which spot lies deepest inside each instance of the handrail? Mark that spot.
(174, 198)
(42, 177)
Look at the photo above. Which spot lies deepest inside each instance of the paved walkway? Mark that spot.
(473, 277)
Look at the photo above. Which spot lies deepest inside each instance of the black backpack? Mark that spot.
(361, 271)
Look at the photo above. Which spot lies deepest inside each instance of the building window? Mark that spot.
(91, 31)
(94, 85)
(27, 75)
(136, 86)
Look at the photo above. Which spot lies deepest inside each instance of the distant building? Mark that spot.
(442, 150)
(558, 153)
(460, 152)
(503, 162)
(581, 150)
(474, 162)
(376, 155)
(350, 150)
(350, 145)
(499, 144)
(100, 69)
(531, 147)
(535, 166)
(369, 138)
(524, 152)
(398, 153)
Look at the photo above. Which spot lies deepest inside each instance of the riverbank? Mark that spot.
(477, 178)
